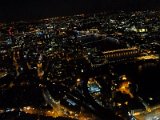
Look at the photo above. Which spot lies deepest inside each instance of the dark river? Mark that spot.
(147, 78)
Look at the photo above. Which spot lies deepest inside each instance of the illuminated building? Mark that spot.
(122, 53)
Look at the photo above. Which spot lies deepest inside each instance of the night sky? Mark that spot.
(32, 9)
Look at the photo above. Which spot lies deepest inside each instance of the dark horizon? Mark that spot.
(11, 10)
